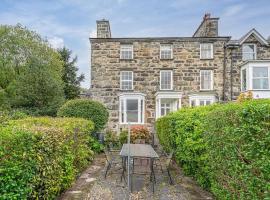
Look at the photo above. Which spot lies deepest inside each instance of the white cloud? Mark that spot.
(56, 42)
(93, 33)
(233, 10)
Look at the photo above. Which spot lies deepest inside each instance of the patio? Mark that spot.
(92, 185)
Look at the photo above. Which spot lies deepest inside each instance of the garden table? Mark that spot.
(139, 151)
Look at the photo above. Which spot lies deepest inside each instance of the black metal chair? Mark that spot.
(112, 160)
(164, 164)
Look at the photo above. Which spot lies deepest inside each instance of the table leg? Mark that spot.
(124, 168)
(152, 176)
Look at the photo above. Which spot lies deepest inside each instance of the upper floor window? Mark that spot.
(126, 51)
(126, 80)
(260, 78)
(249, 52)
(206, 80)
(166, 80)
(166, 51)
(206, 51)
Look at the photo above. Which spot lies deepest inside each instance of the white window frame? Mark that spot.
(211, 81)
(241, 76)
(252, 77)
(122, 46)
(160, 50)
(212, 51)
(198, 98)
(121, 80)
(254, 53)
(141, 107)
(171, 72)
(177, 96)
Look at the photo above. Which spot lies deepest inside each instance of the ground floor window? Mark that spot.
(167, 102)
(201, 100)
(131, 108)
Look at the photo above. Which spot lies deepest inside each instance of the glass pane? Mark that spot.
(260, 72)
(201, 103)
(132, 110)
(208, 102)
(205, 79)
(261, 83)
(193, 103)
(206, 51)
(244, 79)
(165, 80)
(248, 52)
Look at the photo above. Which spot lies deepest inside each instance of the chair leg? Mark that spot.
(107, 169)
(170, 178)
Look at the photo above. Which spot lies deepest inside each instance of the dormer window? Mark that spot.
(126, 52)
(249, 52)
(166, 51)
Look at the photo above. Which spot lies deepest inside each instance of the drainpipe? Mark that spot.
(231, 75)
(224, 70)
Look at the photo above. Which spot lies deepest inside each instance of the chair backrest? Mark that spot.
(108, 156)
(169, 159)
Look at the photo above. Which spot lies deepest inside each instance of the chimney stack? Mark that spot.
(208, 27)
(103, 29)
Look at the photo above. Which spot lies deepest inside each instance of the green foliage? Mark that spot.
(40, 157)
(95, 145)
(71, 81)
(87, 109)
(225, 147)
(30, 72)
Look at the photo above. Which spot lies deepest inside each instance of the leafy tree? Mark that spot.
(30, 71)
(71, 81)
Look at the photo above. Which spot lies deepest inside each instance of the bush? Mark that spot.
(87, 109)
(225, 147)
(40, 157)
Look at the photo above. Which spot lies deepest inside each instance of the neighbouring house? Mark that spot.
(142, 79)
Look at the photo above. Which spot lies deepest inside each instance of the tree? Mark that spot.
(71, 81)
(30, 71)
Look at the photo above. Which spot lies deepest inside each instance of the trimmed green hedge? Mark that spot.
(87, 109)
(41, 157)
(224, 147)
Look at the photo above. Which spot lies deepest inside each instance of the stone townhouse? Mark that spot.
(142, 79)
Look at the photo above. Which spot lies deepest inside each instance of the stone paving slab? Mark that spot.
(92, 185)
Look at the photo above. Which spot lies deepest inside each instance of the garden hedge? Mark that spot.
(87, 109)
(224, 147)
(41, 157)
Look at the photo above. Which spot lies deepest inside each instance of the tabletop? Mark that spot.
(139, 150)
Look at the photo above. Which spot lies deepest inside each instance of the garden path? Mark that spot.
(91, 185)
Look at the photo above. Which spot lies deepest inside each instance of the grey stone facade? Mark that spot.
(146, 65)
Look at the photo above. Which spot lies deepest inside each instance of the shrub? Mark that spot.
(87, 109)
(139, 132)
(40, 157)
(225, 147)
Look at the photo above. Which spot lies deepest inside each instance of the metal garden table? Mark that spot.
(139, 151)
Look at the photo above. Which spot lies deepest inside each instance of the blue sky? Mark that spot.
(72, 22)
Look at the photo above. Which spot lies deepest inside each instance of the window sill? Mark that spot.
(126, 90)
(206, 58)
(131, 123)
(125, 59)
(165, 59)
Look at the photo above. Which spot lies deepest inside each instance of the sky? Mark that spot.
(70, 23)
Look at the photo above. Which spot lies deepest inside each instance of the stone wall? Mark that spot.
(146, 65)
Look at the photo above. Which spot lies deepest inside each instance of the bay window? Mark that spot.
(201, 100)
(131, 108)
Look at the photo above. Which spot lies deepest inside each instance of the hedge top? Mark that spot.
(87, 109)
